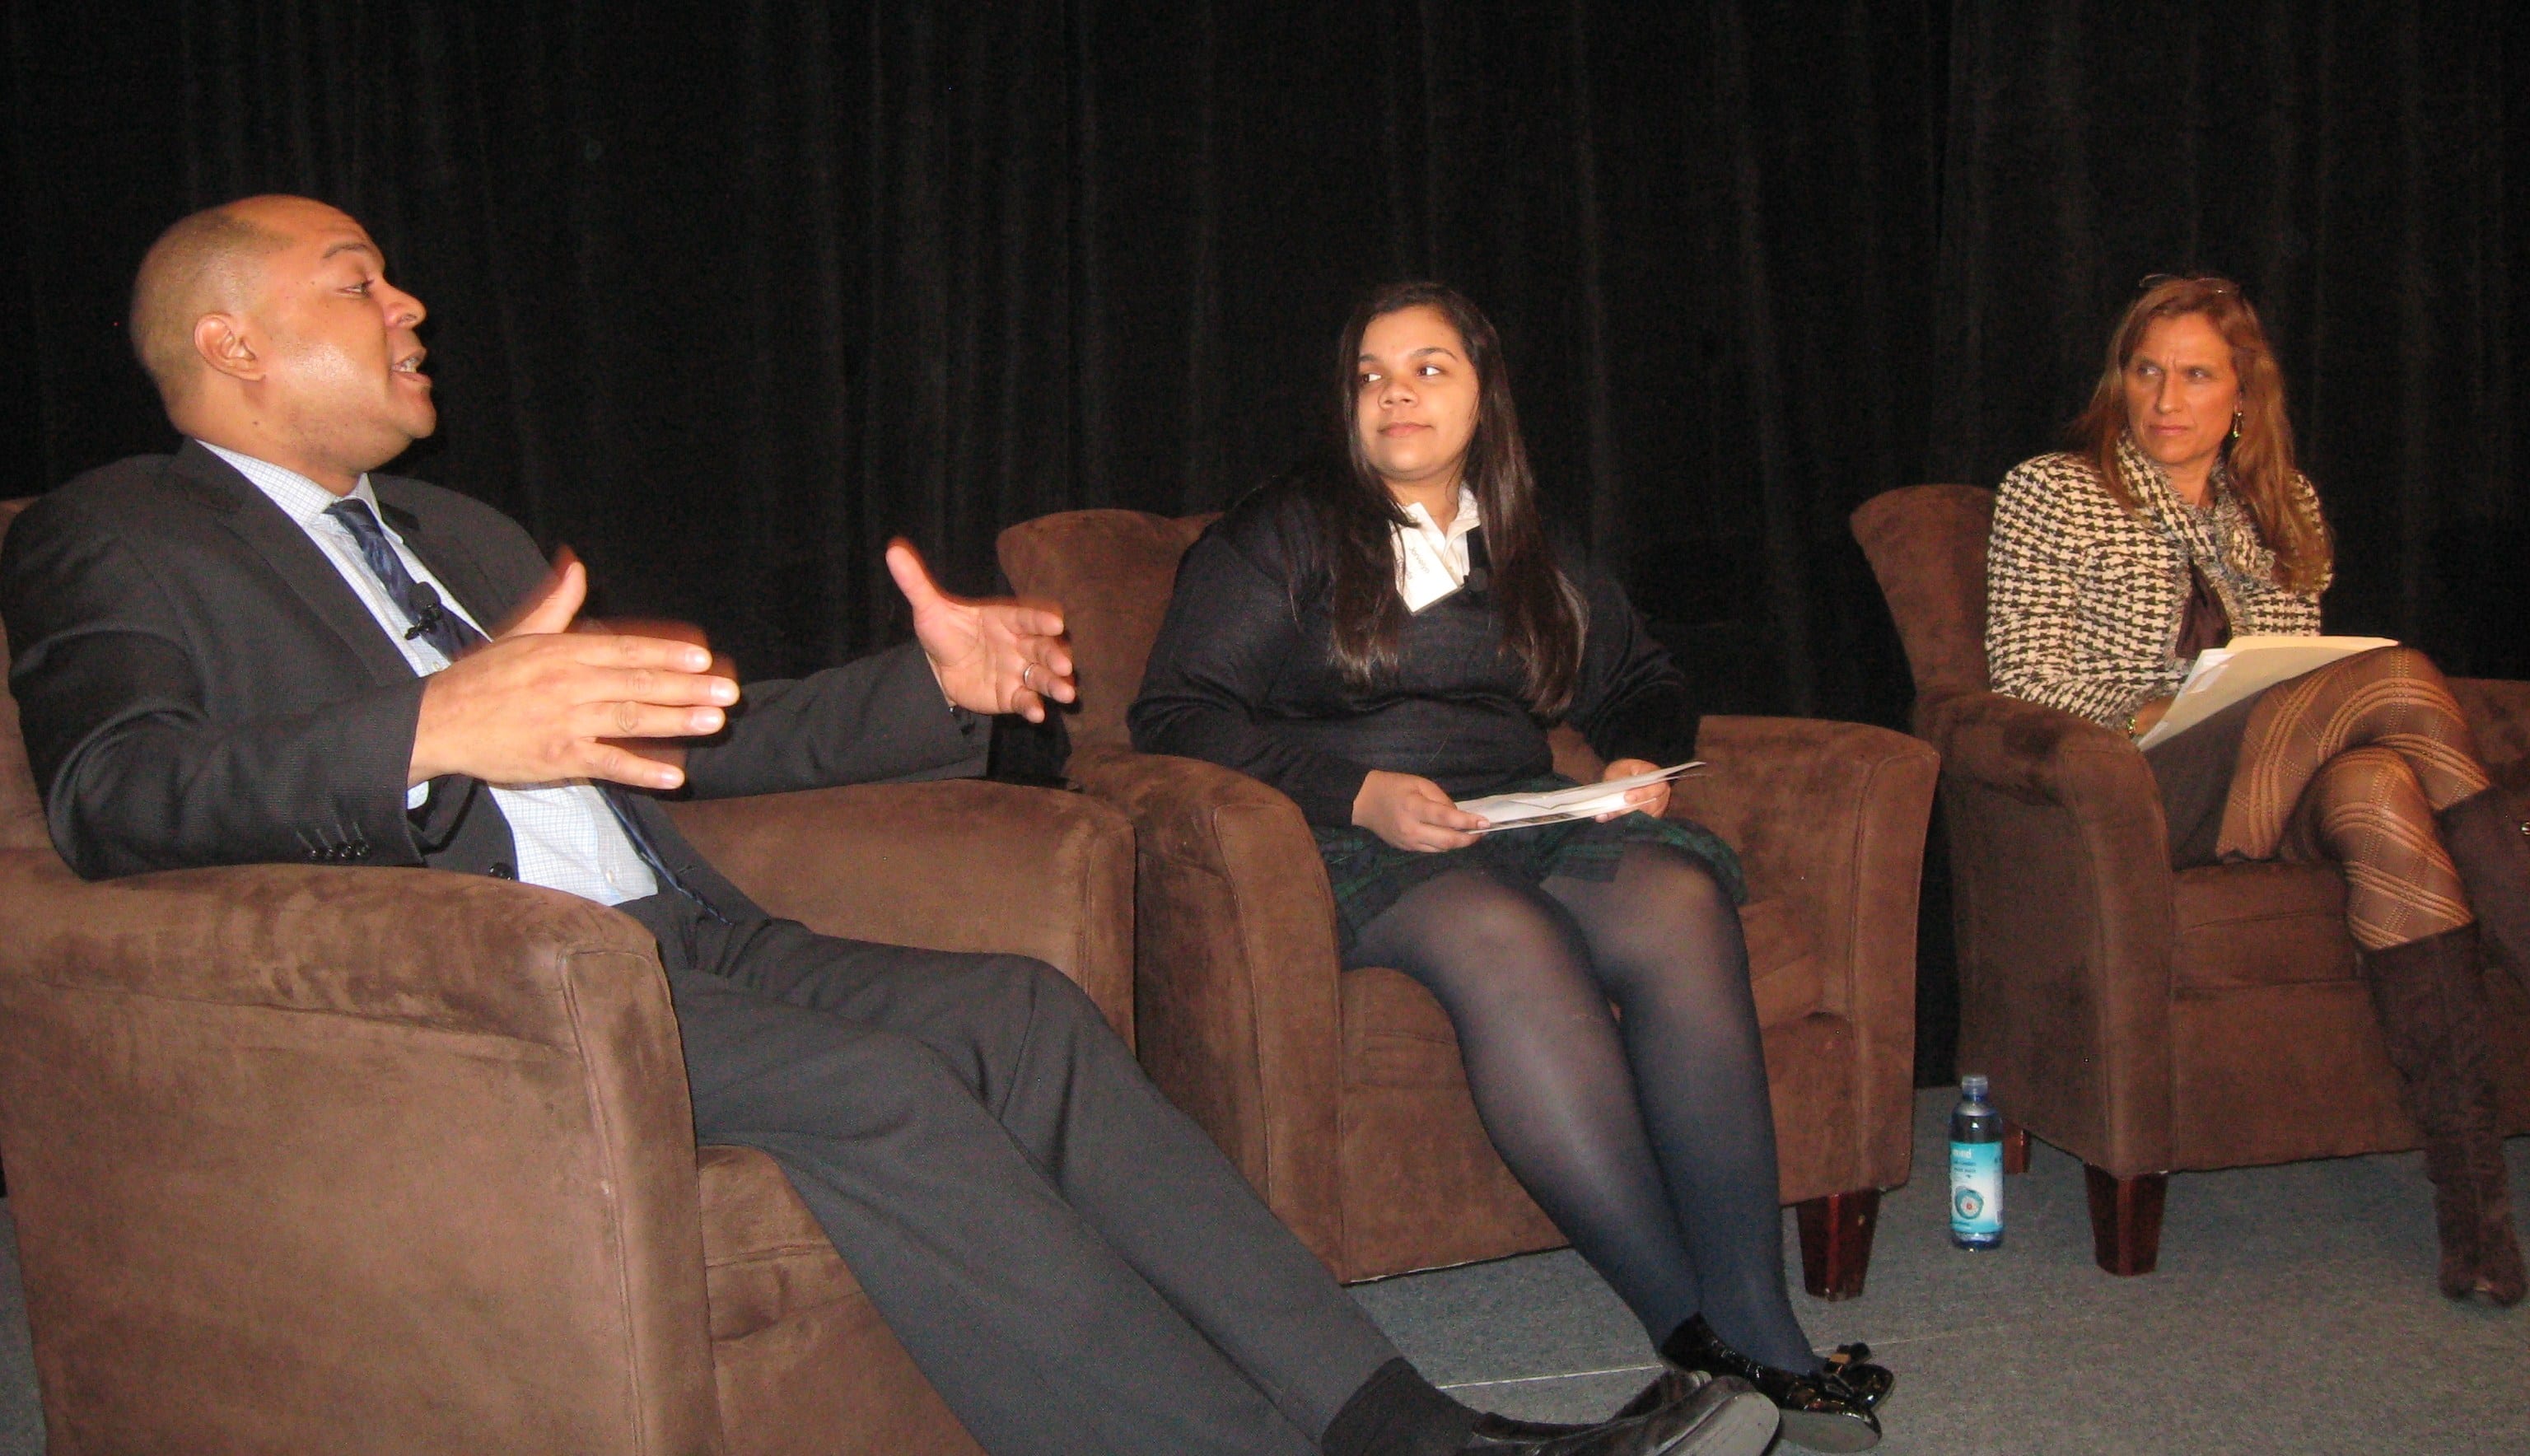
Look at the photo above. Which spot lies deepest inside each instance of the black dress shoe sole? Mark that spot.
(1732, 1421)
(1818, 1431)
(1742, 1425)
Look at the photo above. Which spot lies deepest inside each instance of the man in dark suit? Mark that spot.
(256, 650)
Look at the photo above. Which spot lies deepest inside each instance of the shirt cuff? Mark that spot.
(936, 682)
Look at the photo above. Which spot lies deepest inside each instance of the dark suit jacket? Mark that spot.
(198, 685)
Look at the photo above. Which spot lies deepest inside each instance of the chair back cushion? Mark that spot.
(1111, 573)
(1927, 546)
(21, 809)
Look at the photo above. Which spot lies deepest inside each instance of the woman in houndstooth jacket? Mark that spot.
(2180, 521)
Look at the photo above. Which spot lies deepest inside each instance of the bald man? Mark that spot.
(260, 650)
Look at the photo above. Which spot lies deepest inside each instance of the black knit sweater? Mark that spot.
(1243, 674)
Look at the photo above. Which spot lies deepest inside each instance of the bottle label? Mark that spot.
(1976, 1189)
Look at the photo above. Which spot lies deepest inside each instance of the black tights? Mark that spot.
(1646, 1134)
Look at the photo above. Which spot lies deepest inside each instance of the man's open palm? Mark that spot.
(540, 703)
(991, 657)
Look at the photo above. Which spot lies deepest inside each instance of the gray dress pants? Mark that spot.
(1066, 1257)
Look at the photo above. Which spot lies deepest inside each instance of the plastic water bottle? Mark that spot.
(1976, 1169)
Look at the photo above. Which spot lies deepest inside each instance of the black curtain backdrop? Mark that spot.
(727, 302)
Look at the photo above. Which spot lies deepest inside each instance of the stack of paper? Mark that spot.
(1554, 806)
(2243, 668)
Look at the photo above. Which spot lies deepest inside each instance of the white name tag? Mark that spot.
(1424, 574)
(1432, 563)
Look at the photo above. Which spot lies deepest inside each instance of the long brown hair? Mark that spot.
(1541, 615)
(2260, 458)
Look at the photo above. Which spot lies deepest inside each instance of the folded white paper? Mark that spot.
(2245, 667)
(1556, 805)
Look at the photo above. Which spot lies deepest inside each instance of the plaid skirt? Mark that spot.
(1368, 874)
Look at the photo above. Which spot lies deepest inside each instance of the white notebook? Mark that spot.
(2245, 667)
(1556, 805)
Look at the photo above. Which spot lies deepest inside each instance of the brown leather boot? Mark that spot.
(2500, 1274)
(2430, 998)
(2487, 835)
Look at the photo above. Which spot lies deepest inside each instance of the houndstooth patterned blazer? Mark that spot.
(2083, 599)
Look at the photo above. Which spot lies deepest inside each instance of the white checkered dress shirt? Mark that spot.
(567, 838)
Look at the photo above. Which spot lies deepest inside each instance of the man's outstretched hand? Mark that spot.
(539, 702)
(991, 657)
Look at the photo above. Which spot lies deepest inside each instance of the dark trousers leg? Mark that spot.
(1067, 1257)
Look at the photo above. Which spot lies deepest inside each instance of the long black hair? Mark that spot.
(1540, 612)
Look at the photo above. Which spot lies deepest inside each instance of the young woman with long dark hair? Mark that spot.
(2178, 521)
(1398, 631)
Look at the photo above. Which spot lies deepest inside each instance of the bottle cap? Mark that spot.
(1972, 1088)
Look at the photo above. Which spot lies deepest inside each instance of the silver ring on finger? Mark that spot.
(1026, 669)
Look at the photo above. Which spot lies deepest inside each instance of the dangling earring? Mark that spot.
(2235, 424)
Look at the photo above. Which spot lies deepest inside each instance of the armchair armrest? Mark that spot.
(1831, 816)
(2064, 903)
(959, 865)
(1823, 813)
(313, 1158)
(1238, 990)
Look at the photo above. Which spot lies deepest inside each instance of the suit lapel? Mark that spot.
(447, 557)
(265, 529)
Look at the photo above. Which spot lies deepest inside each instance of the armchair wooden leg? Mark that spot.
(1835, 1241)
(2125, 1219)
(2016, 1148)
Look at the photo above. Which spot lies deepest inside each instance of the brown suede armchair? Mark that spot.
(2143, 1020)
(1340, 1093)
(396, 1160)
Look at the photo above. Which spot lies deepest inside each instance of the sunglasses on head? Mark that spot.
(2205, 281)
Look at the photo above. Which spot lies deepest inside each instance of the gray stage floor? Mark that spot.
(2293, 1311)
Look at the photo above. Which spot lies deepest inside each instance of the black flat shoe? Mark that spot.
(1722, 1417)
(1824, 1410)
(1872, 1383)
(1852, 1364)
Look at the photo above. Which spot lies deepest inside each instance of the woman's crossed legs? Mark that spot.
(2369, 762)
(2352, 761)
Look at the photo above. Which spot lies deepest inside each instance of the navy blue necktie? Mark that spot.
(432, 623)
(452, 635)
